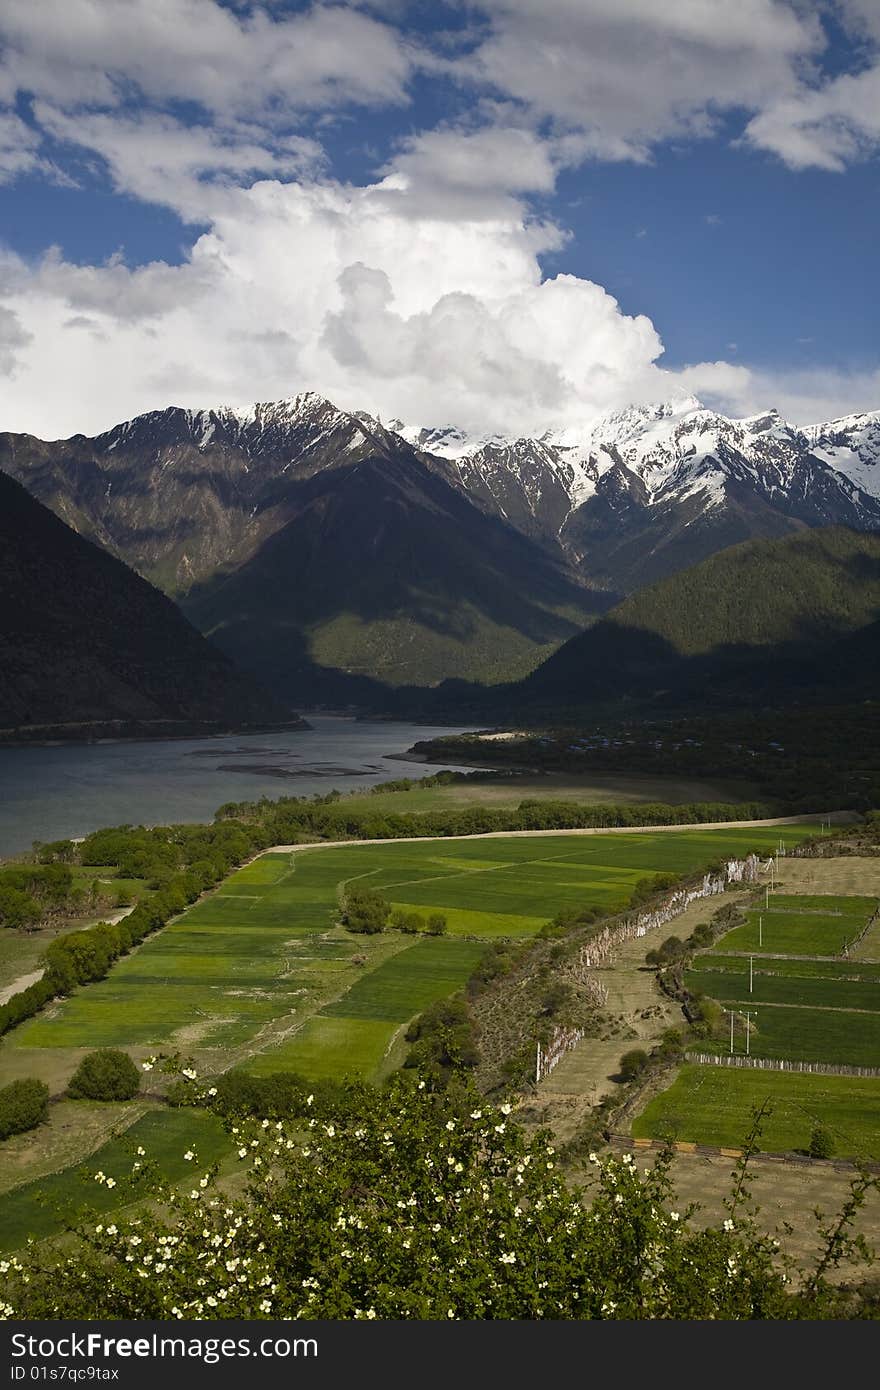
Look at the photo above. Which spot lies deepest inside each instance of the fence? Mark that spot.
(603, 945)
(726, 1059)
(561, 1042)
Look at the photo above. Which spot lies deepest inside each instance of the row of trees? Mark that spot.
(293, 819)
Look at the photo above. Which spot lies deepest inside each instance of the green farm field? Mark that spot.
(713, 1105)
(588, 789)
(248, 974)
(812, 1010)
(799, 966)
(800, 928)
(732, 986)
(41, 1208)
(841, 1036)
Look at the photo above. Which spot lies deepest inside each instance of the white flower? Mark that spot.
(242, 1153)
(476, 1114)
(265, 1306)
(505, 1109)
(98, 1230)
(147, 1066)
(309, 1099)
(140, 1151)
(593, 1158)
(674, 1216)
(111, 1182)
(728, 1225)
(189, 1155)
(212, 1091)
(509, 1259)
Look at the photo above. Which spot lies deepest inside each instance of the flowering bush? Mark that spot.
(424, 1205)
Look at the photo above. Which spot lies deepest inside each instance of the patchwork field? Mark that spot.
(260, 972)
(713, 1105)
(802, 1005)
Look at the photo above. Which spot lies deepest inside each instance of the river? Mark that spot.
(54, 792)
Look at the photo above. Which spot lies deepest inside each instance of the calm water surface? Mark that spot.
(50, 793)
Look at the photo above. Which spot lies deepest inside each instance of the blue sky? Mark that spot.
(504, 215)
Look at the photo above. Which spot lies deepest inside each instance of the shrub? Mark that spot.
(633, 1063)
(107, 1074)
(23, 1105)
(443, 1040)
(436, 924)
(821, 1142)
(365, 911)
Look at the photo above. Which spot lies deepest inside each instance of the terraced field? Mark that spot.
(802, 926)
(800, 1008)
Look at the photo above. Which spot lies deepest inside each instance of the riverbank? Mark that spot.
(135, 731)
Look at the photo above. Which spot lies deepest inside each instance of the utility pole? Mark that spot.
(760, 930)
(730, 1011)
(748, 1017)
(751, 973)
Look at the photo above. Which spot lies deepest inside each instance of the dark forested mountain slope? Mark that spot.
(85, 640)
(387, 573)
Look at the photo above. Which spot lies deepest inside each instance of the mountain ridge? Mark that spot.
(189, 498)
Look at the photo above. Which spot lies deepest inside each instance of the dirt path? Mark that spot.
(22, 982)
(637, 1014)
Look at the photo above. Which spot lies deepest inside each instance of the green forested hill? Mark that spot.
(759, 621)
(804, 588)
